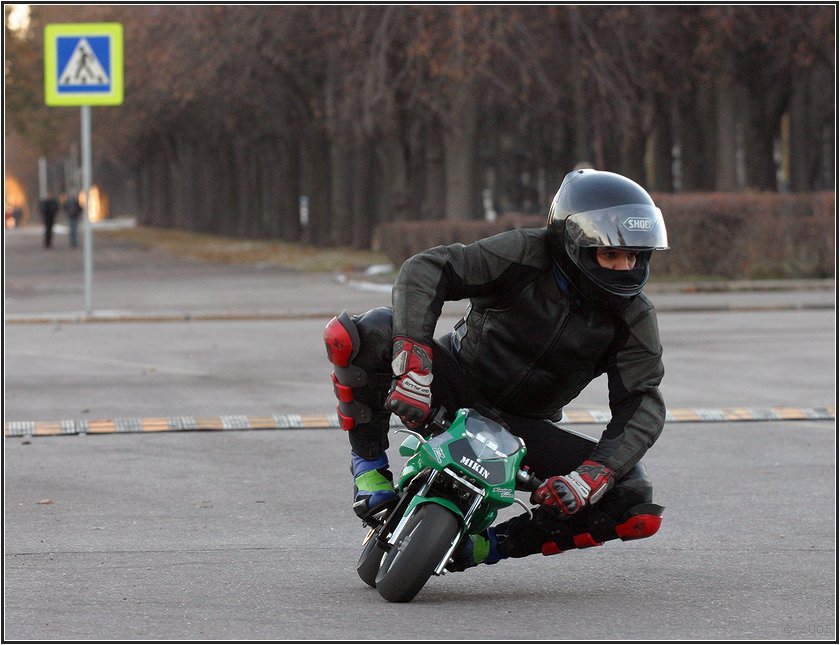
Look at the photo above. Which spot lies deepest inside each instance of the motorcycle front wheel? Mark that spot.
(369, 561)
(418, 549)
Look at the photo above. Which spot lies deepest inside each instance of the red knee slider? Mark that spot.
(644, 521)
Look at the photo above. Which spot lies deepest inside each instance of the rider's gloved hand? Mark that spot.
(411, 396)
(570, 493)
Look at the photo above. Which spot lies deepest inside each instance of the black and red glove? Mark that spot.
(570, 493)
(410, 397)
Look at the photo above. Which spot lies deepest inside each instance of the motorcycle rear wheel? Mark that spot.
(416, 553)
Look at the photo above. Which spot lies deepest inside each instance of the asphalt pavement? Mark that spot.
(156, 532)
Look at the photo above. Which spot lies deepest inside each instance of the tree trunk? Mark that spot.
(660, 160)
(632, 149)
(767, 104)
(434, 193)
(394, 191)
(694, 126)
(726, 132)
(809, 166)
(361, 193)
(289, 176)
(459, 153)
(759, 154)
(341, 163)
(315, 184)
(585, 142)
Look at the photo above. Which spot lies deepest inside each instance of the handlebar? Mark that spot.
(528, 479)
(437, 421)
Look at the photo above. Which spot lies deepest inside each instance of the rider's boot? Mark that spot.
(480, 548)
(625, 513)
(359, 347)
(373, 485)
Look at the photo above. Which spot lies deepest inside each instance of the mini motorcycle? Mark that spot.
(453, 484)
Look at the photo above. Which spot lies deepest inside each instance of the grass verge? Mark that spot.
(242, 251)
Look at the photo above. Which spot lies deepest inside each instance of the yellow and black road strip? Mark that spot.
(328, 421)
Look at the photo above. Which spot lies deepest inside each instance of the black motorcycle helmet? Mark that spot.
(592, 209)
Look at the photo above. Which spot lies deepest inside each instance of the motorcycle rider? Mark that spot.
(550, 310)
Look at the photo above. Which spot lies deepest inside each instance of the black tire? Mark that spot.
(369, 562)
(418, 550)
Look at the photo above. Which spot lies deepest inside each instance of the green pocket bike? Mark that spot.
(453, 485)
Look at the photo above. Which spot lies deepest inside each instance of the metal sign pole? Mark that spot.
(87, 233)
(42, 178)
(83, 65)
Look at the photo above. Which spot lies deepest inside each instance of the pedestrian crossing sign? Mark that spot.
(83, 64)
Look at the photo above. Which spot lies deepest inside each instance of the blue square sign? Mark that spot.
(84, 64)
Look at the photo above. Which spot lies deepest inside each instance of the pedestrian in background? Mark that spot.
(17, 214)
(74, 211)
(49, 209)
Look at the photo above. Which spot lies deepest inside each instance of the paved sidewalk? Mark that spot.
(132, 282)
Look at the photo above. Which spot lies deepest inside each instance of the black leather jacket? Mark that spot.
(530, 344)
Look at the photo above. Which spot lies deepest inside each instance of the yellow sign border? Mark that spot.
(114, 31)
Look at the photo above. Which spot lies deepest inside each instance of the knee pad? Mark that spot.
(356, 347)
(642, 521)
(342, 342)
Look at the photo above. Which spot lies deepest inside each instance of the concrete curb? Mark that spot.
(107, 317)
(366, 282)
(209, 316)
(330, 421)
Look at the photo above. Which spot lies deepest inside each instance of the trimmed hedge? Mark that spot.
(727, 235)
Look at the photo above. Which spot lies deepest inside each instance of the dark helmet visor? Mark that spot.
(629, 226)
